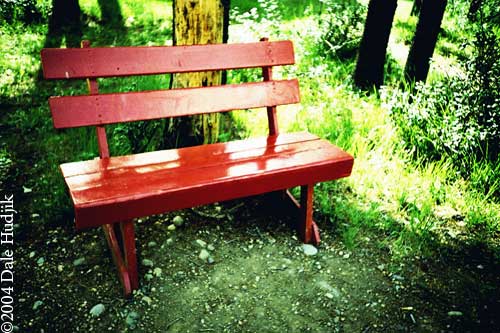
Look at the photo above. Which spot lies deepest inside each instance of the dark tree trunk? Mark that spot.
(111, 13)
(65, 21)
(372, 51)
(474, 7)
(424, 41)
(417, 6)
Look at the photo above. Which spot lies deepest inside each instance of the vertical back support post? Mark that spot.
(93, 87)
(267, 73)
(125, 260)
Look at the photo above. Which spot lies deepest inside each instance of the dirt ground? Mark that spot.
(256, 278)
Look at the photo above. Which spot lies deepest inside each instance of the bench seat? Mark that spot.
(114, 189)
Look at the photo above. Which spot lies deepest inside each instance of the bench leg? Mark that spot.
(126, 263)
(308, 229)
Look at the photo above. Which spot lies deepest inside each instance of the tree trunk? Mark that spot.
(372, 50)
(65, 22)
(199, 22)
(417, 6)
(424, 41)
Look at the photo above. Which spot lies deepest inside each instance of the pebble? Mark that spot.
(40, 261)
(132, 318)
(79, 261)
(152, 244)
(309, 249)
(204, 255)
(32, 254)
(201, 243)
(147, 262)
(171, 227)
(210, 247)
(210, 260)
(147, 299)
(169, 241)
(346, 256)
(455, 313)
(97, 310)
(37, 304)
(178, 221)
(60, 268)
(157, 271)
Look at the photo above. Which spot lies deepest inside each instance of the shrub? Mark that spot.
(25, 11)
(341, 25)
(459, 117)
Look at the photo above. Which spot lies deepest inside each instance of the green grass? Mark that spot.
(391, 198)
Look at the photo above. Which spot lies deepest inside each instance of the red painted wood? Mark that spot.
(306, 210)
(96, 62)
(272, 119)
(192, 178)
(75, 111)
(292, 203)
(193, 155)
(93, 88)
(129, 250)
(117, 258)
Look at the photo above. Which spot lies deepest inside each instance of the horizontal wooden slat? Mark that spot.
(76, 111)
(138, 189)
(73, 63)
(193, 154)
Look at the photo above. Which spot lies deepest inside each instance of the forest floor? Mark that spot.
(258, 278)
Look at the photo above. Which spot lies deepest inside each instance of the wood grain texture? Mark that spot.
(91, 110)
(77, 63)
(130, 187)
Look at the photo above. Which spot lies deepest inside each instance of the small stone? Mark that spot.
(171, 227)
(40, 261)
(37, 304)
(201, 243)
(152, 244)
(32, 254)
(169, 241)
(210, 260)
(79, 261)
(455, 313)
(480, 267)
(346, 256)
(204, 255)
(178, 221)
(97, 310)
(157, 271)
(210, 247)
(60, 268)
(148, 276)
(309, 249)
(328, 295)
(147, 262)
(132, 318)
(381, 267)
(27, 189)
(147, 299)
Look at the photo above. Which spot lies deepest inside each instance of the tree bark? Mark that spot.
(417, 6)
(199, 22)
(372, 50)
(424, 41)
(65, 21)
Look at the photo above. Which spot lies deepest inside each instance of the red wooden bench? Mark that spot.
(112, 191)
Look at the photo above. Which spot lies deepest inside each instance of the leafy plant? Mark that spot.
(341, 27)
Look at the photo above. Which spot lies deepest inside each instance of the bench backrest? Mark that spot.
(101, 109)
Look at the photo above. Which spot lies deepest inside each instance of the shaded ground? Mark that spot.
(260, 281)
